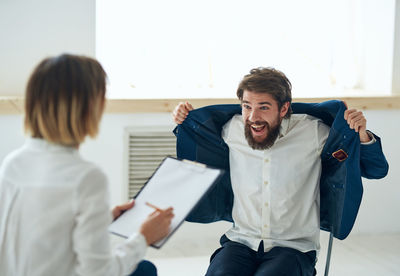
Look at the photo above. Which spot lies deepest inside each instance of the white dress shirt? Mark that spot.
(276, 191)
(54, 215)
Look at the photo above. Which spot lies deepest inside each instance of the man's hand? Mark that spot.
(357, 121)
(118, 210)
(156, 226)
(181, 111)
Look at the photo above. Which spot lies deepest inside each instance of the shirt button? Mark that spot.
(265, 226)
(266, 160)
(266, 204)
(266, 182)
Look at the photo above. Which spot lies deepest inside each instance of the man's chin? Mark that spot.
(260, 142)
(259, 139)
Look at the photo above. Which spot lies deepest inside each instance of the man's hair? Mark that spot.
(64, 99)
(270, 81)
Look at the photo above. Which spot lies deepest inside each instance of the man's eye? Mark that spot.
(246, 106)
(264, 108)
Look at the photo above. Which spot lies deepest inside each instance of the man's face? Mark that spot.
(262, 118)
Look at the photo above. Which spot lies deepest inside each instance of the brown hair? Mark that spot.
(268, 80)
(64, 99)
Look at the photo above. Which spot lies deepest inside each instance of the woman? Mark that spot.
(54, 210)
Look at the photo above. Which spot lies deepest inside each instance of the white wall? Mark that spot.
(108, 149)
(381, 202)
(32, 30)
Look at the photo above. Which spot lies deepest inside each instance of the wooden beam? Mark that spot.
(11, 105)
(15, 105)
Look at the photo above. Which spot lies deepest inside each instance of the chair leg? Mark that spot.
(328, 255)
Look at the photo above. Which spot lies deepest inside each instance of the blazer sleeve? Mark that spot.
(373, 163)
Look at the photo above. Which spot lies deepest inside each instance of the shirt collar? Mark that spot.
(39, 143)
(284, 127)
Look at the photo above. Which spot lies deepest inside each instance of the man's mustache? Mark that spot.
(258, 123)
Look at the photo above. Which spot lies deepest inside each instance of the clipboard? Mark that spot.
(180, 184)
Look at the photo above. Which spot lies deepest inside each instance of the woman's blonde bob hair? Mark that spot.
(64, 99)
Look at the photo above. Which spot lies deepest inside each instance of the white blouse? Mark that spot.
(54, 215)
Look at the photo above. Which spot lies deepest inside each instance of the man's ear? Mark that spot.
(284, 109)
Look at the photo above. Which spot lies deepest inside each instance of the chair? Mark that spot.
(328, 254)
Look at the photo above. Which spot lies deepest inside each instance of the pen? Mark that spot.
(153, 206)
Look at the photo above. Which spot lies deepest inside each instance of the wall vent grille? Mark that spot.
(146, 149)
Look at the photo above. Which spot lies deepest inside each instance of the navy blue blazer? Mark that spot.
(344, 162)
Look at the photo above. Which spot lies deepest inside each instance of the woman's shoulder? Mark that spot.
(87, 170)
(12, 159)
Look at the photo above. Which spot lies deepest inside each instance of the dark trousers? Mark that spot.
(234, 258)
(145, 268)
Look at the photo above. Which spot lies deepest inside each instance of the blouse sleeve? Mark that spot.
(91, 241)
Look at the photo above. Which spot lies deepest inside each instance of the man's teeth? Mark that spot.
(257, 126)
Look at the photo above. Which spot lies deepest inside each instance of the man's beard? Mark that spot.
(268, 141)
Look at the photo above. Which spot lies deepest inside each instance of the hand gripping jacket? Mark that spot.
(344, 162)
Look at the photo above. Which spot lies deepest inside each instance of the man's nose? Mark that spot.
(254, 116)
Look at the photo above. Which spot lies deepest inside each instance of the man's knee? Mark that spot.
(216, 271)
(145, 268)
(232, 259)
(216, 267)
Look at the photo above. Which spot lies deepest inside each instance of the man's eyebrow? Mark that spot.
(261, 103)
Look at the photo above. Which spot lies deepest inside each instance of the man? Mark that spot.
(278, 162)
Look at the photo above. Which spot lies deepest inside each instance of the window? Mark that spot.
(202, 49)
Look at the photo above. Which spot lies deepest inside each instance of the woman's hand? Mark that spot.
(119, 209)
(157, 224)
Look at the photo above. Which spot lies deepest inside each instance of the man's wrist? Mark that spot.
(364, 137)
(369, 140)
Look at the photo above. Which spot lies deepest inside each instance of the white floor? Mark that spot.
(366, 255)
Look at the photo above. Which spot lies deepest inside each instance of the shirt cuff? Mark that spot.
(373, 140)
(130, 253)
(139, 240)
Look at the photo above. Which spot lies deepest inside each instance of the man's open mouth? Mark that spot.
(257, 128)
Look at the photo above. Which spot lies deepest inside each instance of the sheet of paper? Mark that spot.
(175, 183)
